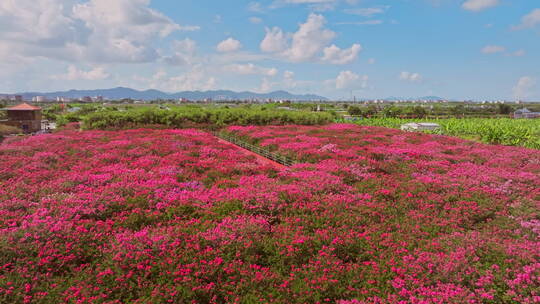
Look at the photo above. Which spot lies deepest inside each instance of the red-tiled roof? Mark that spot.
(24, 107)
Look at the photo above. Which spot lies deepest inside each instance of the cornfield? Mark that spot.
(502, 131)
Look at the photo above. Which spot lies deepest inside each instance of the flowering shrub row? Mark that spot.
(444, 217)
(174, 216)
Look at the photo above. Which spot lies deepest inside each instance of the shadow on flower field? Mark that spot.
(369, 215)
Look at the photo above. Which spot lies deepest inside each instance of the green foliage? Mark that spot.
(61, 121)
(354, 110)
(229, 208)
(182, 211)
(392, 111)
(458, 110)
(189, 116)
(503, 131)
(52, 112)
(417, 111)
(87, 109)
(504, 109)
(370, 111)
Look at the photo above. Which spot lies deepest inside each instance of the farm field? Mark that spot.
(504, 131)
(368, 215)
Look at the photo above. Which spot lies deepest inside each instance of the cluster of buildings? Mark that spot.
(500, 102)
(16, 98)
(381, 101)
(44, 99)
(215, 100)
(225, 99)
(483, 102)
(87, 99)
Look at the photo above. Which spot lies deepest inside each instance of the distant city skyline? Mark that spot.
(103, 95)
(460, 50)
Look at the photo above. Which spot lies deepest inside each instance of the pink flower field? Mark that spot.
(368, 215)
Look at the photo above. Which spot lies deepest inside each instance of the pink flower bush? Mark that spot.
(369, 215)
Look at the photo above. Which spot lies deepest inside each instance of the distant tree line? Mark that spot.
(419, 111)
(181, 117)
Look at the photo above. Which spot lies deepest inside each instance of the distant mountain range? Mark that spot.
(120, 93)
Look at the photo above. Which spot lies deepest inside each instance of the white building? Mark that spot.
(63, 99)
(39, 99)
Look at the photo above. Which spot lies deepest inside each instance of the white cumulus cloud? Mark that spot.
(288, 79)
(275, 41)
(367, 22)
(410, 77)
(266, 86)
(349, 80)
(315, 5)
(310, 39)
(183, 52)
(255, 7)
(530, 20)
(335, 55)
(229, 45)
(368, 11)
(524, 88)
(250, 69)
(479, 5)
(310, 43)
(197, 78)
(74, 73)
(97, 31)
(493, 49)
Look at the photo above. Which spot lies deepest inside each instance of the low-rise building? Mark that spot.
(526, 113)
(420, 126)
(25, 117)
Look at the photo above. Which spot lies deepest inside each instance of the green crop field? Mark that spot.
(503, 131)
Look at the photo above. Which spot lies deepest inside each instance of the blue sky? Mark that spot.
(473, 49)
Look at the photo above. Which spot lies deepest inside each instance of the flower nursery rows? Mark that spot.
(370, 215)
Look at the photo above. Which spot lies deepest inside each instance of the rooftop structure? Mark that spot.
(526, 113)
(24, 107)
(422, 126)
(25, 117)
